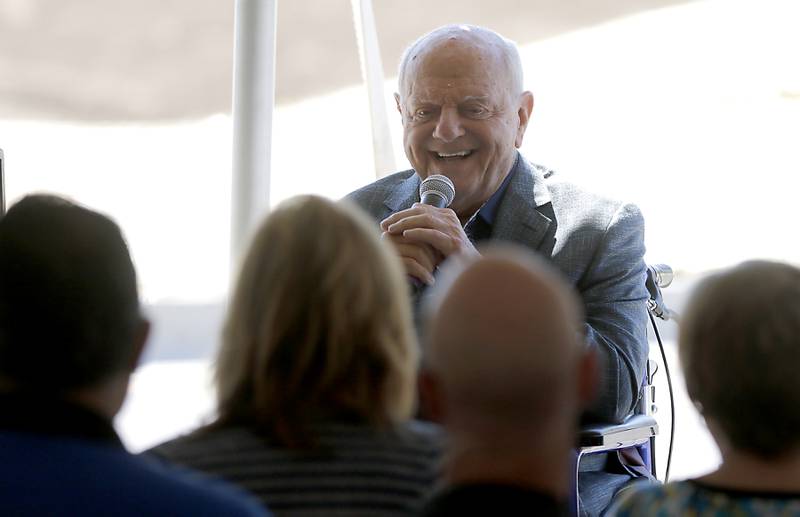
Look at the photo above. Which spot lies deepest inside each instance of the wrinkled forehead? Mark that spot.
(441, 91)
(464, 60)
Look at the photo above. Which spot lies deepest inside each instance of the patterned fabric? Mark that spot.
(354, 471)
(697, 499)
(597, 243)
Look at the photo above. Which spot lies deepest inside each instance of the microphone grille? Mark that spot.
(662, 274)
(440, 184)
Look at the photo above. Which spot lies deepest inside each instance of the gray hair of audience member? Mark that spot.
(504, 337)
(507, 50)
(319, 325)
(739, 343)
(69, 308)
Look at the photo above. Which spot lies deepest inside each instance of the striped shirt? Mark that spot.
(355, 471)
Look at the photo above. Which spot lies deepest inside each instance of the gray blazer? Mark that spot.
(598, 244)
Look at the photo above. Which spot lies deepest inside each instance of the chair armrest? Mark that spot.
(637, 429)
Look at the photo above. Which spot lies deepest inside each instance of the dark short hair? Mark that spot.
(69, 306)
(739, 347)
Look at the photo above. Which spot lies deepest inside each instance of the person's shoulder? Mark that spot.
(423, 429)
(645, 499)
(106, 479)
(379, 188)
(424, 435)
(413, 437)
(179, 491)
(576, 205)
(200, 442)
(569, 195)
(372, 198)
(492, 499)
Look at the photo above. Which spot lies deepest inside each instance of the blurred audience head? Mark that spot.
(69, 309)
(319, 325)
(504, 354)
(739, 343)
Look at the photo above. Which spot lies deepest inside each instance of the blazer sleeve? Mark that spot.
(614, 294)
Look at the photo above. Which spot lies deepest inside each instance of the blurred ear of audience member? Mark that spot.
(316, 375)
(507, 374)
(70, 336)
(739, 345)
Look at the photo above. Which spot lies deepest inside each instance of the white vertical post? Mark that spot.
(253, 103)
(372, 72)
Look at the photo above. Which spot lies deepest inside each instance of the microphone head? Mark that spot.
(438, 185)
(662, 274)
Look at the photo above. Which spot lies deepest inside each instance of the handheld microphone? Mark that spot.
(662, 274)
(437, 190)
(658, 276)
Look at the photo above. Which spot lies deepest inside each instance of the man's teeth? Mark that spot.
(453, 155)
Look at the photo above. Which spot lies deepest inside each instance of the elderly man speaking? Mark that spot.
(464, 114)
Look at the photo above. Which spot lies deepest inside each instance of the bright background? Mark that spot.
(692, 111)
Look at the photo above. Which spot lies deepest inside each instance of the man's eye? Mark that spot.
(476, 111)
(421, 114)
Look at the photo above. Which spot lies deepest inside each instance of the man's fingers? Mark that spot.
(439, 241)
(414, 269)
(397, 216)
(420, 253)
(445, 244)
(412, 221)
(415, 210)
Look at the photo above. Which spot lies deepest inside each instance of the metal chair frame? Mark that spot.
(641, 427)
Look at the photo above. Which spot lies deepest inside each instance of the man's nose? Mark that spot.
(448, 127)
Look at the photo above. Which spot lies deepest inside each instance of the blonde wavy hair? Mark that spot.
(319, 326)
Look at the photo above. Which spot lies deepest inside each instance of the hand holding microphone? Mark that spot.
(428, 232)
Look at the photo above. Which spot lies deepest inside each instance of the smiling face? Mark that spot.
(463, 115)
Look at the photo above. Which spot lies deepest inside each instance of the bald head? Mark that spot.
(479, 44)
(504, 340)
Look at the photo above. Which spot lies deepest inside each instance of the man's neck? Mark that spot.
(57, 414)
(104, 399)
(742, 471)
(501, 462)
(465, 214)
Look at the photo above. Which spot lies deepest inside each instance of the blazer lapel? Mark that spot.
(525, 214)
(403, 195)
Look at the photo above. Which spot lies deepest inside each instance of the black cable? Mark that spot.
(671, 396)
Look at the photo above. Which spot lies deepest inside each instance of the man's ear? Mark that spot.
(524, 114)
(140, 339)
(432, 404)
(399, 105)
(588, 377)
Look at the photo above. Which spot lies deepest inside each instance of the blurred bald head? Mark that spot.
(504, 341)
